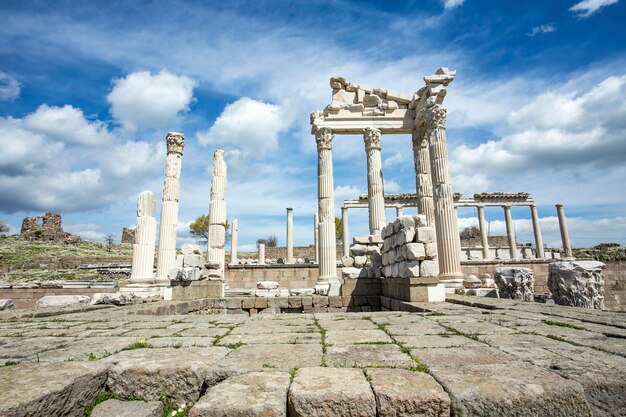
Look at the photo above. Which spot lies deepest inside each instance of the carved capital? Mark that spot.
(419, 136)
(435, 117)
(372, 138)
(324, 138)
(175, 142)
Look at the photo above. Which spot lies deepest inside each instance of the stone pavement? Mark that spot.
(479, 357)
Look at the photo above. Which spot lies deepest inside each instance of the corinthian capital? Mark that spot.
(175, 142)
(324, 138)
(435, 116)
(419, 137)
(372, 138)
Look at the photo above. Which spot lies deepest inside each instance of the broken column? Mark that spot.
(261, 253)
(169, 207)
(145, 239)
(537, 232)
(375, 192)
(217, 218)
(398, 211)
(423, 181)
(290, 259)
(484, 239)
(233, 242)
(577, 283)
(327, 281)
(316, 237)
(510, 232)
(344, 228)
(567, 245)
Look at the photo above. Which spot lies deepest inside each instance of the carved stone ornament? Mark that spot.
(419, 137)
(324, 138)
(372, 138)
(436, 117)
(175, 142)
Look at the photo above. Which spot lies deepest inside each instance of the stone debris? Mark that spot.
(577, 283)
(113, 298)
(117, 408)
(515, 283)
(62, 300)
(6, 304)
(267, 285)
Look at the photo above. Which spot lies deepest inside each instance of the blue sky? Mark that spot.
(88, 91)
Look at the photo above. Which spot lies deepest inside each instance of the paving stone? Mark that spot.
(326, 392)
(19, 348)
(42, 390)
(178, 342)
(348, 325)
(203, 331)
(87, 349)
(267, 338)
(150, 373)
(405, 393)
(282, 357)
(360, 356)
(437, 341)
(262, 394)
(356, 336)
(117, 408)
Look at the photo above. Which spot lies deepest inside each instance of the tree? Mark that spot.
(339, 229)
(270, 241)
(470, 232)
(110, 242)
(199, 228)
(4, 228)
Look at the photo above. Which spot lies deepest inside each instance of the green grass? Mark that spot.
(323, 341)
(100, 398)
(434, 314)
(561, 324)
(560, 339)
(292, 373)
(10, 363)
(138, 345)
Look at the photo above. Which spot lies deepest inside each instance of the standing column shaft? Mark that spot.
(145, 238)
(261, 253)
(316, 237)
(290, 235)
(537, 231)
(446, 223)
(217, 214)
(423, 181)
(398, 211)
(567, 245)
(345, 238)
(326, 203)
(233, 242)
(510, 232)
(484, 239)
(375, 189)
(169, 208)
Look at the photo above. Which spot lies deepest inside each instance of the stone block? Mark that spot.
(275, 357)
(295, 302)
(361, 240)
(406, 222)
(358, 249)
(194, 260)
(233, 303)
(409, 269)
(119, 408)
(62, 300)
(278, 302)
(255, 394)
(575, 284)
(248, 303)
(307, 301)
(6, 304)
(335, 301)
(424, 234)
(375, 239)
(191, 249)
(347, 261)
(404, 393)
(321, 392)
(429, 268)
(431, 250)
(267, 285)
(420, 220)
(352, 273)
(414, 251)
(260, 302)
(360, 261)
(405, 236)
(320, 301)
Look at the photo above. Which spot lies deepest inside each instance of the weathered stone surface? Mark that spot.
(429, 268)
(59, 389)
(357, 336)
(415, 251)
(404, 393)
(367, 355)
(6, 304)
(113, 298)
(262, 394)
(62, 300)
(424, 234)
(191, 249)
(282, 357)
(267, 285)
(322, 392)
(515, 283)
(577, 283)
(117, 408)
(151, 373)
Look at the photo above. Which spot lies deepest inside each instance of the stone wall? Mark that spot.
(48, 228)
(128, 235)
(298, 252)
(27, 297)
(288, 276)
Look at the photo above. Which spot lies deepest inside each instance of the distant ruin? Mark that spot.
(47, 228)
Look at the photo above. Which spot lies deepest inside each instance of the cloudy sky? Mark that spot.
(88, 92)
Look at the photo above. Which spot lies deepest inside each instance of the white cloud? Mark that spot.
(67, 124)
(547, 28)
(88, 231)
(346, 192)
(391, 187)
(9, 87)
(586, 8)
(142, 100)
(469, 184)
(396, 159)
(451, 4)
(246, 127)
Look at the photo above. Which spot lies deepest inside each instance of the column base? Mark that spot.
(143, 290)
(330, 286)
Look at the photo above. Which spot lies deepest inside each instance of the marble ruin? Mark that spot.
(145, 241)
(515, 283)
(577, 284)
(217, 219)
(47, 228)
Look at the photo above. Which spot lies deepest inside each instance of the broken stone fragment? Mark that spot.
(267, 285)
(62, 300)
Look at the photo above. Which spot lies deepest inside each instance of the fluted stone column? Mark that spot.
(261, 253)
(484, 239)
(567, 245)
(398, 211)
(345, 238)
(423, 181)
(537, 231)
(217, 214)
(446, 223)
(290, 259)
(316, 237)
(326, 205)
(510, 232)
(233, 242)
(375, 190)
(145, 238)
(169, 207)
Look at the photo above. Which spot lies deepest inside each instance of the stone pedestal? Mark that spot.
(375, 188)
(290, 259)
(567, 245)
(326, 202)
(169, 207)
(145, 238)
(423, 182)
(577, 284)
(233, 242)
